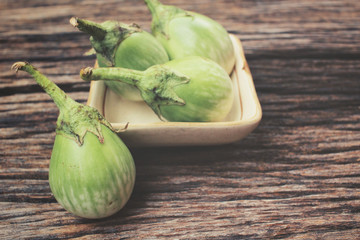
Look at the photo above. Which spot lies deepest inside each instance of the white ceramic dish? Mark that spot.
(144, 128)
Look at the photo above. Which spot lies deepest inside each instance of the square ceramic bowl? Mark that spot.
(144, 128)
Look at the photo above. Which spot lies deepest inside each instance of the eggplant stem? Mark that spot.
(152, 5)
(59, 96)
(75, 119)
(94, 29)
(124, 75)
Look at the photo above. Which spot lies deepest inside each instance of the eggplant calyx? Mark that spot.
(105, 37)
(157, 87)
(79, 119)
(75, 119)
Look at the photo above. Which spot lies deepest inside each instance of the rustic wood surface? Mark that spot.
(297, 176)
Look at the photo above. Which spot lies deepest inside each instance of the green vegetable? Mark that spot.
(192, 89)
(120, 45)
(184, 33)
(92, 172)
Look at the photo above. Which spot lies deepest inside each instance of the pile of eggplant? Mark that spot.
(181, 70)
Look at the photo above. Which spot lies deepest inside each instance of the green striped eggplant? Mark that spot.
(191, 89)
(121, 45)
(185, 33)
(92, 172)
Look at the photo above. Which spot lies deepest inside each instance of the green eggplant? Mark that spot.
(185, 33)
(92, 172)
(121, 45)
(191, 89)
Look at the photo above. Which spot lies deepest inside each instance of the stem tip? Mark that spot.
(19, 66)
(74, 21)
(85, 73)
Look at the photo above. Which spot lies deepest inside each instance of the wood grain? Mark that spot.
(297, 176)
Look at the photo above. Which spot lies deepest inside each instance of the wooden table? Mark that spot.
(297, 176)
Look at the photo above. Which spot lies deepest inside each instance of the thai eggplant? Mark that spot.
(92, 172)
(121, 45)
(185, 33)
(191, 89)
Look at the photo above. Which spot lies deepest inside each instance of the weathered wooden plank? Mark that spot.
(224, 219)
(295, 177)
